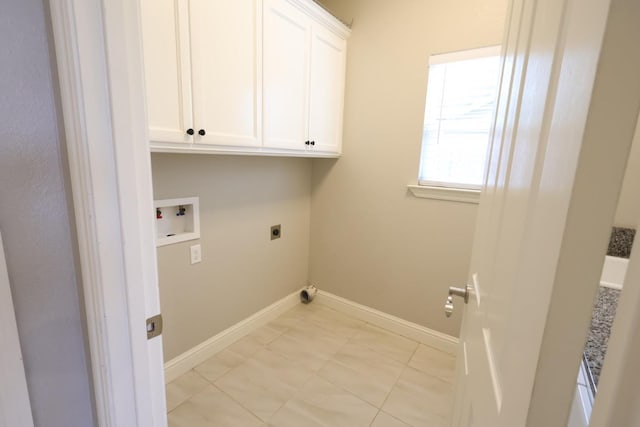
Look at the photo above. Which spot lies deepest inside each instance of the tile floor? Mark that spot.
(314, 366)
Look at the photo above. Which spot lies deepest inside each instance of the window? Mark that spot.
(461, 94)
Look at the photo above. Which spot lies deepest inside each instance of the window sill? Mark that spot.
(461, 195)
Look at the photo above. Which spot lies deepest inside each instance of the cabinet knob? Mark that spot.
(313, 143)
(307, 143)
(202, 132)
(190, 131)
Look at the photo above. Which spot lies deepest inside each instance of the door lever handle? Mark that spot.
(458, 292)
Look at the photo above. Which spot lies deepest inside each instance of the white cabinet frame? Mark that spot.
(187, 105)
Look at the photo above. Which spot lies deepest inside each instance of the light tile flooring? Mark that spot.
(314, 366)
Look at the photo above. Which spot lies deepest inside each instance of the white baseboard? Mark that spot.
(416, 332)
(203, 351)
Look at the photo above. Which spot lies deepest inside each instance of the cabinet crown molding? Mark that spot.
(323, 16)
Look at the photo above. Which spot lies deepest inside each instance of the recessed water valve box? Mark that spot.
(177, 220)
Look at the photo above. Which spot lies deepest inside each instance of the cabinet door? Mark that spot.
(328, 57)
(286, 75)
(226, 64)
(166, 67)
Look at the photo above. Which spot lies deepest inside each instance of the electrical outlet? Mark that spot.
(196, 254)
(276, 231)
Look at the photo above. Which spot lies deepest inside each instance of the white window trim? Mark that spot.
(450, 184)
(462, 55)
(462, 195)
(446, 190)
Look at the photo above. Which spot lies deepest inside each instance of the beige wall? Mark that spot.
(371, 241)
(242, 270)
(628, 212)
(36, 219)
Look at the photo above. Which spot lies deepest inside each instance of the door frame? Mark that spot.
(15, 406)
(598, 35)
(98, 53)
(607, 136)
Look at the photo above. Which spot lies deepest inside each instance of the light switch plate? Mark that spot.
(196, 254)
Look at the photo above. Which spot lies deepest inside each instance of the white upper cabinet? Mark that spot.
(243, 77)
(226, 68)
(326, 90)
(203, 71)
(304, 71)
(167, 70)
(287, 35)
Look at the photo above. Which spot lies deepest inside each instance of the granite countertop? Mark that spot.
(621, 242)
(606, 303)
(604, 311)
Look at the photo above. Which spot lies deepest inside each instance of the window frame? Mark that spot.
(445, 190)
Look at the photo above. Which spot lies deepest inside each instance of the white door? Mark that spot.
(326, 95)
(558, 153)
(165, 37)
(286, 75)
(226, 61)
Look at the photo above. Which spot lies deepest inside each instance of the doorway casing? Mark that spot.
(98, 53)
